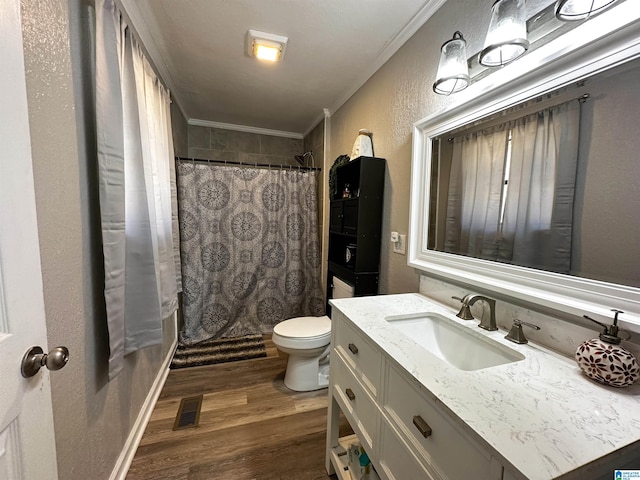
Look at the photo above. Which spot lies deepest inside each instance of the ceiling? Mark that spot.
(334, 46)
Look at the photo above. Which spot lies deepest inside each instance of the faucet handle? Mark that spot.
(465, 311)
(516, 335)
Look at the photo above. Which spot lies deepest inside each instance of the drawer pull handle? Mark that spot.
(422, 426)
(353, 348)
(350, 394)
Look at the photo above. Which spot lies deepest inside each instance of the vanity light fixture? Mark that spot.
(453, 71)
(568, 10)
(507, 36)
(266, 46)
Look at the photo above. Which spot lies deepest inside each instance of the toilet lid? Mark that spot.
(304, 327)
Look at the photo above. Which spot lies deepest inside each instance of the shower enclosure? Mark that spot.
(250, 248)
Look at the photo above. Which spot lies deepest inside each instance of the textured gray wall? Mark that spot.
(314, 142)
(396, 97)
(92, 417)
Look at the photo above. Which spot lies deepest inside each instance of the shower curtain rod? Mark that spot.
(245, 164)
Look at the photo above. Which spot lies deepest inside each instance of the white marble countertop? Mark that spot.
(540, 414)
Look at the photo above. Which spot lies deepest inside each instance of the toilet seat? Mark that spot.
(303, 332)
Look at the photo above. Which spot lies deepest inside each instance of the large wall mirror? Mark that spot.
(528, 184)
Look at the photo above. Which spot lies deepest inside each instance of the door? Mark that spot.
(27, 443)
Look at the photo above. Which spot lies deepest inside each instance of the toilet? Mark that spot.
(307, 341)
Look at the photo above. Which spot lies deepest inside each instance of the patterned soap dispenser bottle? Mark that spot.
(604, 360)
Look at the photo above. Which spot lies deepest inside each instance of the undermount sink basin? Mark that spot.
(453, 343)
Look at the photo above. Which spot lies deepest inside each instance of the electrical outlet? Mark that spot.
(401, 245)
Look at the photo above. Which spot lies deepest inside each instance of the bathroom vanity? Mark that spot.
(510, 412)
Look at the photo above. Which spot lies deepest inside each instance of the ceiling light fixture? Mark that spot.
(453, 71)
(507, 36)
(266, 46)
(568, 10)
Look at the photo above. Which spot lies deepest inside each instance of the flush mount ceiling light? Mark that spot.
(507, 36)
(453, 71)
(266, 46)
(568, 10)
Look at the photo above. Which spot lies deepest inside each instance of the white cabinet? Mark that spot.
(354, 383)
(419, 418)
(404, 431)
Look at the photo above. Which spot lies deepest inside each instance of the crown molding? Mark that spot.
(244, 128)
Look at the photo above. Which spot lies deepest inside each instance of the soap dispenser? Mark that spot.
(605, 360)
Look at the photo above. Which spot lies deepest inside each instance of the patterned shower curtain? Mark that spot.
(250, 248)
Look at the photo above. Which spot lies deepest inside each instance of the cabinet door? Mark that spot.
(335, 217)
(363, 357)
(358, 407)
(350, 216)
(434, 437)
(396, 460)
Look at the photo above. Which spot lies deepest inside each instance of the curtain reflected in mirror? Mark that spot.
(511, 190)
(547, 184)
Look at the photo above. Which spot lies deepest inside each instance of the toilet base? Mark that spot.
(305, 374)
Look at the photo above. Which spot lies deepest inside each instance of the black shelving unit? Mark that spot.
(355, 224)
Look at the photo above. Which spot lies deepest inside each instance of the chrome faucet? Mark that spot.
(488, 319)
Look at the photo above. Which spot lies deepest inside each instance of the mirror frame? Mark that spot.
(610, 39)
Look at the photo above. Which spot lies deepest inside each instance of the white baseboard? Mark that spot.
(123, 463)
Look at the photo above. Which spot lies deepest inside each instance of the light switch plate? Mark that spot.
(401, 245)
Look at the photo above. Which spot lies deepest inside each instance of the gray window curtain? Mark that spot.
(135, 165)
(475, 189)
(538, 221)
(536, 228)
(250, 248)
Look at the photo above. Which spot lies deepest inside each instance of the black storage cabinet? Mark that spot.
(355, 224)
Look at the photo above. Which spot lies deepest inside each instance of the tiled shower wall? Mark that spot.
(314, 142)
(219, 144)
(179, 131)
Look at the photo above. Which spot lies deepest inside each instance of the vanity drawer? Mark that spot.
(356, 404)
(396, 460)
(442, 444)
(359, 353)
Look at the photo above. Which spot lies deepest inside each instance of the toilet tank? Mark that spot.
(341, 289)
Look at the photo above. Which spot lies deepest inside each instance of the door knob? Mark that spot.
(35, 358)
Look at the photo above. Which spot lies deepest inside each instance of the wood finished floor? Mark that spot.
(251, 426)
